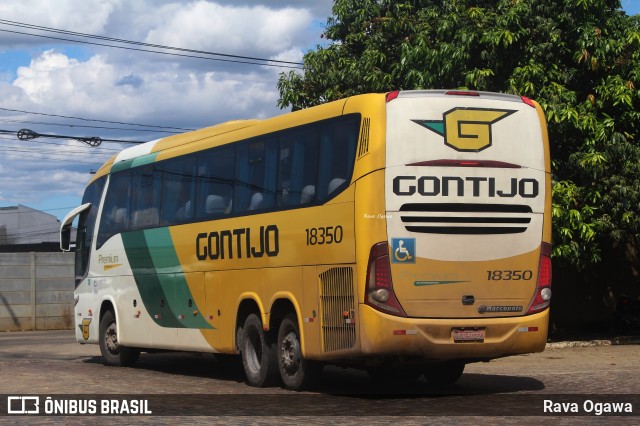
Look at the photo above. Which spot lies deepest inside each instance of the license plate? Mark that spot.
(464, 335)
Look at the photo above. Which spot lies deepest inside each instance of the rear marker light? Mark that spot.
(461, 93)
(404, 332)
(528, 101)
(466, 163)
(392, 95)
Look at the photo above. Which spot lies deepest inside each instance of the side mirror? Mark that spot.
(65, 227)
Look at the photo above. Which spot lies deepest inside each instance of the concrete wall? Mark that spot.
(36, 291)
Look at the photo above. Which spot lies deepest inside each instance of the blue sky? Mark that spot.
(98, 83)
(632, 7)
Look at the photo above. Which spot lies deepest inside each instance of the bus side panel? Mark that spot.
(226, 290)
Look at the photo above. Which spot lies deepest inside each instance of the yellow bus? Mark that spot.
(405, 233)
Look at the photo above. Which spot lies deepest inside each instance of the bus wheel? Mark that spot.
(112, 352)
(446, 373)
(296, 372)
(258, 354)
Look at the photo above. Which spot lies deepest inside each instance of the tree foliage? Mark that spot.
(580, 59)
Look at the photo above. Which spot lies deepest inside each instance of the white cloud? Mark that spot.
(256, 30)
(129, 86)
(88, 16)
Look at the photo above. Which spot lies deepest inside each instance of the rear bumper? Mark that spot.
(382, 334)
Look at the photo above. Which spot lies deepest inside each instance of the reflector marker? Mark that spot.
(404, 332)
(310, 319)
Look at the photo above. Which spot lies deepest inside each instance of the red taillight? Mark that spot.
(379, 289)
(392, 95)
(542, 297)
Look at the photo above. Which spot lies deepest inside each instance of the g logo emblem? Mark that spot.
(466, 129)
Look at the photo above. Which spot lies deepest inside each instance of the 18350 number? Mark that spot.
(324, 235)
(509, 275)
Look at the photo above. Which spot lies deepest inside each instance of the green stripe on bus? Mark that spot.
(160, 280)
(169, 270)
(134, 162)
(149, 285)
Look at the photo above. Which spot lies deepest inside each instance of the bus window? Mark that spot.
(147, 193)
(256, 173)
(117, 206)
(298, 165)
(216, 169)
(179, 189)
(337, 150)
(86, 225)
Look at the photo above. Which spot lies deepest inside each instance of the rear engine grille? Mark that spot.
(465, 219)
(337, 308)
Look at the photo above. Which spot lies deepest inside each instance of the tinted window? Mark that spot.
(256, 175)
(86, 227)
(338, 140)
(298, 164)
(117, 207)
(146, 197)
(292, 168)
(216, 172)
(178, 189)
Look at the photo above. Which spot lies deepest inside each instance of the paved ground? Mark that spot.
(51, 363)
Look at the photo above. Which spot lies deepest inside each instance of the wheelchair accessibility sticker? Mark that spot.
(404, 250)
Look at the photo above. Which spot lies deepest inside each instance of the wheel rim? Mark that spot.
(111, 339)
(290, 351)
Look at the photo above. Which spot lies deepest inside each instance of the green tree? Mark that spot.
(580, 59)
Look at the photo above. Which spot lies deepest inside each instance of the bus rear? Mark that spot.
(465, 271)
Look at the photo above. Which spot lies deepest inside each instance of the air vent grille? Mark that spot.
(465, 219)
(337, 309)
(363, 146)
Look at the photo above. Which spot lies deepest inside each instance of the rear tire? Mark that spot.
(442, 374)
(296, 372)
(112, 352)
(258, 354)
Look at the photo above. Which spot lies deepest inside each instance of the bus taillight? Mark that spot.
(379, 292)
(542, 297)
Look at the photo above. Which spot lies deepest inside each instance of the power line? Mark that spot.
(87, 127)
(152, 51)
(93, 141)
(95, 120)
(139, 43)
